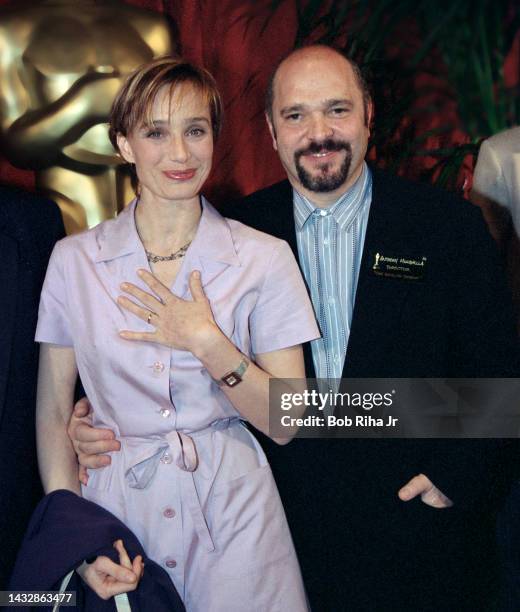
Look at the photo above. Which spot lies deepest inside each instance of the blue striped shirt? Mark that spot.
(330, 246)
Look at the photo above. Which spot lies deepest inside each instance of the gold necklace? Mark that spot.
(153, 258)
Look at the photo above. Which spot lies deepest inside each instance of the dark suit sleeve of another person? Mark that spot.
(29, 227)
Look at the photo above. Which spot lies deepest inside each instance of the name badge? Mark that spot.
(398, 266)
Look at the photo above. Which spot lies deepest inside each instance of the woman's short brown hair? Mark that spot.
(133, 104)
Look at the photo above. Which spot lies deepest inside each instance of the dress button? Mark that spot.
(169, 513)
(158, 366)
(171, 563)
(165, 412)
(166, 458)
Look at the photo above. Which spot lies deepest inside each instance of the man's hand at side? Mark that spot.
(90, 443)
(423, 486)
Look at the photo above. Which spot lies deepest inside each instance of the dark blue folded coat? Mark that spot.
(64, 530)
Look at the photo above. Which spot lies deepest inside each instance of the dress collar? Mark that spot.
(213, 239)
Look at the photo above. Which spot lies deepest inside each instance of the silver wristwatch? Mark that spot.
(232, 379)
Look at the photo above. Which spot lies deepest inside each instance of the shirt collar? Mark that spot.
(213, 239)
(345, 208)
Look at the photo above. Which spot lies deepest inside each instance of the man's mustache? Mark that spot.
(325, 146)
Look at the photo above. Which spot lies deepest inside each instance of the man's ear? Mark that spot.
(125, 149)
(370, 115)
(272, 131)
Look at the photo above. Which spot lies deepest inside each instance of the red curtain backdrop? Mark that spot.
(240, 41)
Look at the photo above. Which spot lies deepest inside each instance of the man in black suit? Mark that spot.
(381, 524)
(29, 227)
(381, 553)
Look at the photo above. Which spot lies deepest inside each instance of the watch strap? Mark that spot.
(233, 378)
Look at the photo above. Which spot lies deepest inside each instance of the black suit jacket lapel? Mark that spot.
(284, 216)
(379, 300)
(9, 271)
(288, 233)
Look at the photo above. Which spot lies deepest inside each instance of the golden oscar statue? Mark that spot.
(61, 64)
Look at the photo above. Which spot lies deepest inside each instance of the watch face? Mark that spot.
(232, 379)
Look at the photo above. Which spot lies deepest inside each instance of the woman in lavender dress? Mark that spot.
(215, 309)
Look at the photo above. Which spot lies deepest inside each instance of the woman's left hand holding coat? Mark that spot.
(107, 578)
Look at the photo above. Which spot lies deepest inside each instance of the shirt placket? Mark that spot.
(330, 243)
(326, 299)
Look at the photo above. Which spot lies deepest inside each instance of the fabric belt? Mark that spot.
(179, 448)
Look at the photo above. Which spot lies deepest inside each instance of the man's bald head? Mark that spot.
(319, 113)
(316, 51)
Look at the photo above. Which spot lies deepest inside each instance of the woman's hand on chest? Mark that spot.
(180, 324)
